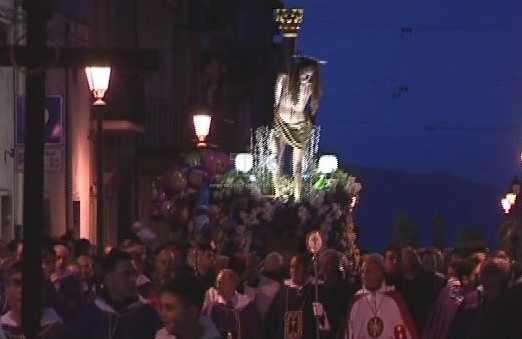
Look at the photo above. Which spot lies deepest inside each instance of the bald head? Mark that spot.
(273, 261)
(85, 268)
(372, 273)
(226, 283)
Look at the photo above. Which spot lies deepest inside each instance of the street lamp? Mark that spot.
(202, 127)
(99, 78)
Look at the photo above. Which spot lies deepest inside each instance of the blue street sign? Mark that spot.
(53, 120)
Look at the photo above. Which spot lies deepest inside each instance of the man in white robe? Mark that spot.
(377, 310)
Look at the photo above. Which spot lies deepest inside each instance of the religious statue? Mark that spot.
(297, 95)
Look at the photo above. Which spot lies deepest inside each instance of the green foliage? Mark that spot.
(405, 231)
(234, 185)
(340, 177)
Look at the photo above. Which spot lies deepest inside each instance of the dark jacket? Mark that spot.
(100, 321)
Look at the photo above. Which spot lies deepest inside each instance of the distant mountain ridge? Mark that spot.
(386, 193)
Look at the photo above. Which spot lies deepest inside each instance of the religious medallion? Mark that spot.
(293, 324)
(375, 327)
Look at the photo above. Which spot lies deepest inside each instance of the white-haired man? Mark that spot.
(234, 314)
(377, 310)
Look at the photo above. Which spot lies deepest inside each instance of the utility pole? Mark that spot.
(38, 12)
(100, 180)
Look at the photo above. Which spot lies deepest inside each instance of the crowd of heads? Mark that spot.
(175, 277)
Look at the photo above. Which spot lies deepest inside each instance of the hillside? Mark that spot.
(387, 193)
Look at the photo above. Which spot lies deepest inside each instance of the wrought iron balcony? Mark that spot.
(125, 116)
(165, 127)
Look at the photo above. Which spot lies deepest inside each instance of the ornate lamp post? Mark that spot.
(290, 21)
(202, 127)
(99, 78)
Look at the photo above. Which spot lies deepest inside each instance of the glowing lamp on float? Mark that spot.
(511, 198)
(98, 79)
(327, 164)
(202, 127)
(244, 162)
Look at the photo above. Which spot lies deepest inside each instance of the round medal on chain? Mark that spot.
(375, 327)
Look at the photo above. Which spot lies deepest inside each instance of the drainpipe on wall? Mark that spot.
(68, 155)
(18, 89)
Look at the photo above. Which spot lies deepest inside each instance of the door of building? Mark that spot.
(6, 212)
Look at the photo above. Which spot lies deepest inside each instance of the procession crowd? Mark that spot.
(186, 290)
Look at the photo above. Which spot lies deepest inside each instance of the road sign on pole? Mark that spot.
(53, 133)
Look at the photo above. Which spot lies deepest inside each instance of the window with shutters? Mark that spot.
(3, 33)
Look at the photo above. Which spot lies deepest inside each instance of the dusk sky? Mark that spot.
(461, 63)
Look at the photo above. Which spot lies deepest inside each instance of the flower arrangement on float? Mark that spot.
(206, 198)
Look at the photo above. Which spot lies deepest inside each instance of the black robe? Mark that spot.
(237, 323)
(293, 299)
(337, 297)
(420, 294)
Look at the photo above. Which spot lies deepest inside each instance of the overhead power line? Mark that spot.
(472, 128)
(428, 128)
(409, 28)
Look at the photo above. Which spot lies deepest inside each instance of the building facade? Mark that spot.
(67, 150)
(217, 55)
(9, 84)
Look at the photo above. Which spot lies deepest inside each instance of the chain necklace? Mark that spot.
(375, 325)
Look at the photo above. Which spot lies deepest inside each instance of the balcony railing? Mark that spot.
(128, 110)
(164, 127)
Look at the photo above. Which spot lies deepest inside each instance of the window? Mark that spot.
(3, 33)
